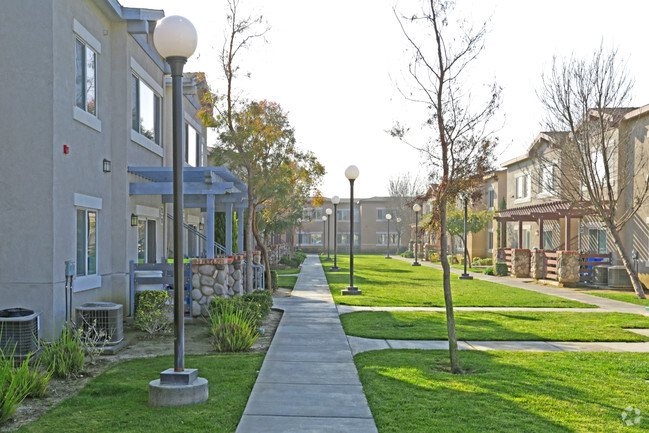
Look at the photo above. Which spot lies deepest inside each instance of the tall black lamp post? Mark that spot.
(465, 275)
(416, 208)
(328, 212)
(335, 200)
(299, 233)
(175, 38)
(324, 227)
(388, 217)
(351, 173)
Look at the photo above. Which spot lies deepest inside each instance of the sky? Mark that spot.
(337, 66)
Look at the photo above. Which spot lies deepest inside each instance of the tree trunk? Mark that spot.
(251, 211)
(448, 298)
(626, 261)
(264, 253)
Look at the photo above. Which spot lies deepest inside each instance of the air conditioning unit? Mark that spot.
(618, 277)
(600, 275)
(18, 331)
(103, 316)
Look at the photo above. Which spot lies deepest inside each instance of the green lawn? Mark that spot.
(117, 400)
(409, 391)
(397, 283)
(503, 326)
(630, 297)
(287, 271)
(286, 281)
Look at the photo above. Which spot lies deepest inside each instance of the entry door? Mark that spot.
(150, 241)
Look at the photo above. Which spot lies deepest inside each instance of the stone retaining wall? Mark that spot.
(520, 263)
(537, 264)
(221, 276)
(568, 267)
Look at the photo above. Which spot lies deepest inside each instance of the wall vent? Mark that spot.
(618, 277)
(104, 316)
(19, 330)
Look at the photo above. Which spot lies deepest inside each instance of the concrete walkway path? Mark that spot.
(308, 381)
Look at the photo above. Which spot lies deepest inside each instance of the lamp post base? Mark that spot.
(465, 277)
(334, 269)
(351, 291)
(388, 257)
(416, 264)
(328, 259)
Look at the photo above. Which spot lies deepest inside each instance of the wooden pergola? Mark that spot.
(551, 211)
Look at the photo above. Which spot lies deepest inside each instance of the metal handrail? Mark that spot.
(220, 249)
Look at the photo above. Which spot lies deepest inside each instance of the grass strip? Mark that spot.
(396, 283)
(287, 281)
(287, 271)
(117, 399)
(629, 297)
(410, 391)
(501, 326)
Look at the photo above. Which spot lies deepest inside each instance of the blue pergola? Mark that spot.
(212, 189)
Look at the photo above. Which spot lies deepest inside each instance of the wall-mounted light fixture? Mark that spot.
(107, 166)
(133, 220)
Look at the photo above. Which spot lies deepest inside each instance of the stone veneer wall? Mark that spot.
(499, 255)
(520, 263)
(221, 276)
(537, 264)
(568, 267)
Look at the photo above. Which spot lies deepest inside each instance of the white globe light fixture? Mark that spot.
(175, 39)
(328, 211)
(416, 207)
(351, 173)
(175, 36)
(335, 200)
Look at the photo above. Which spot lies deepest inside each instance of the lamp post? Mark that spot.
(324, 226)
(351, 173)
(328, 212)
(416, 208)
(398, 234)
(175, 39)
(465, 276)
(299, 233)
(388, 217)
(335, 200)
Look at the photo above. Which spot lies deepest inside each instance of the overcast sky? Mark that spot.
(334, 66)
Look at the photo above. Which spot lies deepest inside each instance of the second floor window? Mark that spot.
(491, 198)
(546, 181)
(380, 213)
(192, 146)
(522, 187)
(86, 78)
(146, 110)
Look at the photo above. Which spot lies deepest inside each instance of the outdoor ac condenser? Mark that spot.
(618, 277)
(104, 316)
(600, 275)
(18, 331)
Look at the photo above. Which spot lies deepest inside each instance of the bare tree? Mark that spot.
(240, 33)
(459, 149)
(587, 99)
(403, 189)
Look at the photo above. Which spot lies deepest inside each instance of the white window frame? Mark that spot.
(88, 203)
(82, 35)
(382, 239)
(140, 73)
(491, 194)
(526, 196)
(546, 189)
(384, 210)
(490, 239)
(189, 122)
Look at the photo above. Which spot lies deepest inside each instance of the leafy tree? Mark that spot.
(459, 148)
(475, 222)
(586, 100)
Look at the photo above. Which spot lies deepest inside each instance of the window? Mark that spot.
(343, 239)
(146, 241)
(86, 78)
(522, 187)
(86, 242)
(382, 239)
(316, 239)
(192, 146)
(490, 240)
(548, 239)
(343, 214)
(546, 180)
(597, 240)
(380, 214)
(145, 110)
(492, 198)
(527, 235)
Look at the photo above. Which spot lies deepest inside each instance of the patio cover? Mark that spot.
(211, 189)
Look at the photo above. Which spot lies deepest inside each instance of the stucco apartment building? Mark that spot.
(370, 227)
(83, 99)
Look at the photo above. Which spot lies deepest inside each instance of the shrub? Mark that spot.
(10, 393)
(501, 269)
(273, 281)
(66, 356)
(292, 262)
(152, 311)
(262, 298)
(408, 254)
(476, 260)
(486, 262)
(420, 255)
(452, 260)
(488, 271)
(231, 329)
(434, 257)
(252, 306)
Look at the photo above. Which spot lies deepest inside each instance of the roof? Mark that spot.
(545, 211)
(544, 136)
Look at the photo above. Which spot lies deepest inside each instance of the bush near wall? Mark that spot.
(501, 269)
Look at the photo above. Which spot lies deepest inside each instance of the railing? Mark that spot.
(588, 262)
(218, 248)
(550, 258)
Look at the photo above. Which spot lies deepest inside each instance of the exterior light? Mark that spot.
(416, 207)
(335, 200)
(388, 217)
(133, 220)
(328, 211)
(106, 166)
(175, 36)
(351, 173)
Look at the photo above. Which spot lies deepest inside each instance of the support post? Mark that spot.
(541, 233)
(240, 223)
(567, 231)
(228, 229)
(209, 223)
(520, 234)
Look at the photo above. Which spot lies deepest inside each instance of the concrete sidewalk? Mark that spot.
(308, 381)
(606, 305)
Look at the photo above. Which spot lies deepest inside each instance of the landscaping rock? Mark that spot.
(220, 278)
(207, 290)
(196, 309)
(219, 290)
(196, 294)
(206, 269)
(207, 281)
(196, 280)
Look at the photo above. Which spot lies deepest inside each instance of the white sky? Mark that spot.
(333, 66)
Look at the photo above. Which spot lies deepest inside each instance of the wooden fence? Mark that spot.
(550, 264)
(588, 262)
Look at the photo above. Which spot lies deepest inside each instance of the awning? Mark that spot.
(544, 211)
